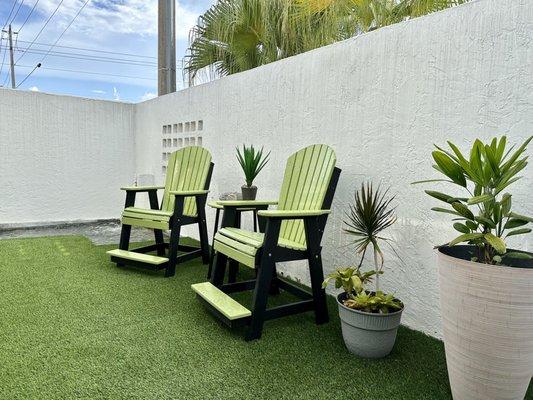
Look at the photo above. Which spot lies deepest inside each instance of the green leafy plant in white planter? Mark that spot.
(369, 319)
(486, 289)
(252, 162)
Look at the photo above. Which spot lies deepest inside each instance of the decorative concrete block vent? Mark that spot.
(178, 135)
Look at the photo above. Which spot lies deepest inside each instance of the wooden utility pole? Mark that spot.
(166, 74)
(11, 56)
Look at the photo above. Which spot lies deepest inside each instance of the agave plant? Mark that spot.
(370, 214)
(483, 217)
(252, 162)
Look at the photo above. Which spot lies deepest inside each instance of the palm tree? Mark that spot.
(230, 37)
(237, 35)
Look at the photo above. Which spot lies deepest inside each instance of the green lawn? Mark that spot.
(74, 326)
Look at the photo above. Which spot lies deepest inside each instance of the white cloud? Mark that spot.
(34, 89)
(116, 94)
(102, 17)
(148, 96)
(97, 91)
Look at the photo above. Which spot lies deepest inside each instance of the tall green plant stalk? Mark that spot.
(368, 217)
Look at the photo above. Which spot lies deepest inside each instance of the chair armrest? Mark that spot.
(140, 188)
(292, 214)
(188, 193)
(246, 203)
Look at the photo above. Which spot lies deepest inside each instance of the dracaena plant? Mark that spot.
(369, 215)
(252, 162)
(484, 216)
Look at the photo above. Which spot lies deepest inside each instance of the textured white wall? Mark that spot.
(63, 158)
(380, 100)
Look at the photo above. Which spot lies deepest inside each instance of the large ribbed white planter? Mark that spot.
(487, 318)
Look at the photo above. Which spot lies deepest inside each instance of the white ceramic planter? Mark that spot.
(487, 318)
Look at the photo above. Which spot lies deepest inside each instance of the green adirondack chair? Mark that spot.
(292, 232)
(185, 193)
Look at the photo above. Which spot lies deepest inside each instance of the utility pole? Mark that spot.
(10, 33)
(166, 57)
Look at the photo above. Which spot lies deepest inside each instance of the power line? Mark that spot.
(94, 50)
(17, 13)
(27, 76)
(9, 16)
(29, 15)
(3, 58)
(2, 35)
(89, 72)
(41, 31)
(77, 56)
(86, 56)
(64, 30)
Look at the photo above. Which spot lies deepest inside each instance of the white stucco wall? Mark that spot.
(63, 158)
(380, 100)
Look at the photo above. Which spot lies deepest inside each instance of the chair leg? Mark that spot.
(173, 251)
(316, 271)
(274, 286)
(124, 243)
(266, 270)
(204, 240)
(219, 264)
(212, 256)
(260, 299)
(319, 294)
(233, 271)
(234, 265)
(160, 242)
(158, 233)
(125, 237)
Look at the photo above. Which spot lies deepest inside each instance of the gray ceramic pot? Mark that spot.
(249, 192)
(366, 334)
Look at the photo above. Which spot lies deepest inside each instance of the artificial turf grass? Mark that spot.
(73, 325)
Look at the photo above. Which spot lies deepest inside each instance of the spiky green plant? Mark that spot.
(484, 217)
(368, 217)
(252, 162)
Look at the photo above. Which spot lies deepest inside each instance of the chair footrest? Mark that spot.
(220, 301)
(137, 257)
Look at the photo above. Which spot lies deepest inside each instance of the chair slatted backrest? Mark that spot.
(307, 177)
(187, 169)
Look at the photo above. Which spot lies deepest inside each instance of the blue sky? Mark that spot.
(116, 26)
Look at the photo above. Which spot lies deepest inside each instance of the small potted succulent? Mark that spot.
(369, 319)
(486, 289)
(252, 162)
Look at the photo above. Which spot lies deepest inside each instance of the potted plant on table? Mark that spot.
(486, 289)
(252, 162)
(369, 319)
